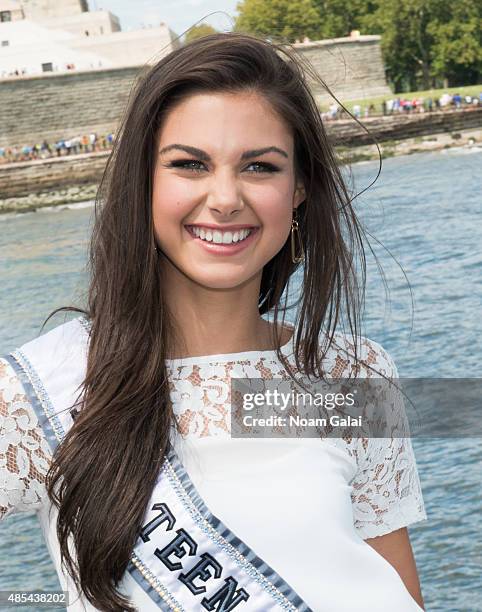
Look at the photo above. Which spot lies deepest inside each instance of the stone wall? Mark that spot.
(63, 105)
(67, 105)
(400, 126)
(352, 68)
(23, 178)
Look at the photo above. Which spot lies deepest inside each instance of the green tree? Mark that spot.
(428, 40)
(281, 20)
(406, 40)
(203, 29)
(457, 43)
(339, 17)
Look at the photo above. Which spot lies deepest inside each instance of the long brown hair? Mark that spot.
(102, 474)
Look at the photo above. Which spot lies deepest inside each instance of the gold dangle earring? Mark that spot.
(295, 234)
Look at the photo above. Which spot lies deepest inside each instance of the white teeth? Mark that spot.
(220, 237)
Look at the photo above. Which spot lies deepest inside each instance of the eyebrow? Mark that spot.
(203, 156)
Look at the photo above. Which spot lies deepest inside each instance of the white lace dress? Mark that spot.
(305, 506)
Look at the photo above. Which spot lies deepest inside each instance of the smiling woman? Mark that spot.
(226, 191)
(119, 423)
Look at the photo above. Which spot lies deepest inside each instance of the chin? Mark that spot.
(222, 279)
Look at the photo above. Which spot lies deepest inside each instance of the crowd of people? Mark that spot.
(87, 143)
(403, 105)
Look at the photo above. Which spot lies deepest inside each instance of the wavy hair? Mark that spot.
(102, 474)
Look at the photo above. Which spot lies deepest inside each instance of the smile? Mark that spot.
(215, 242)
(218, 237)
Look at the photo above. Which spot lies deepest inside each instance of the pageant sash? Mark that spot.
(185, 558)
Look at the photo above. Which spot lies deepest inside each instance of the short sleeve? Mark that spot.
(386, 492)
(24, 452)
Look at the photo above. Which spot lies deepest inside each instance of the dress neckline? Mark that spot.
(287, 349)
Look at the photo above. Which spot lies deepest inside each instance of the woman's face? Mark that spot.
(211, 175)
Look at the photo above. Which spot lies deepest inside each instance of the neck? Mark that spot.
(211, 321)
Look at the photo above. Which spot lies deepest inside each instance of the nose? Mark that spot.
(224, 198)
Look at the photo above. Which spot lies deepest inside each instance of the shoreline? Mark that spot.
(471, 138)
(69, 196)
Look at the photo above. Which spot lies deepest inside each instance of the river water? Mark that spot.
(425, 212)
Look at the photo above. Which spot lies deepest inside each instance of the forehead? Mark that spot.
(230, 119)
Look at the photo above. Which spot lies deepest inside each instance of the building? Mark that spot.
(41, 36)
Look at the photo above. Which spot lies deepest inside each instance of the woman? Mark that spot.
(220, 184)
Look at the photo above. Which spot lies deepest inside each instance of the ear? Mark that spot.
(299, 195)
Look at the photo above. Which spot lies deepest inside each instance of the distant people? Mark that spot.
(85, 143)
(63, 146)
(357, 110)
(93, 141)
(59, 145)
(76, 145)
(45, 149)
(333, 111)
(445, 100)
(26, 150)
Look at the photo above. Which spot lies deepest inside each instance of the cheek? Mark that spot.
(275, 213)
(171, 202)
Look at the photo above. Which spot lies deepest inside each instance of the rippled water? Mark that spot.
(426, 212)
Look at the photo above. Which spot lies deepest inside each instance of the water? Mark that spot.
(425, 211)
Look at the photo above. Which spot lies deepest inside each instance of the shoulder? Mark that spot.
(361, 354)
(50, 368)
(384, 414)
(61, 349)
(60, 340)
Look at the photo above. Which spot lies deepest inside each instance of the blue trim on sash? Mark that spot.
(166, 601)
(37, 396)
(215, 529)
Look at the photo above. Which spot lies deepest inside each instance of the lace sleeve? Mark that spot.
(24, 452)
(386, 491)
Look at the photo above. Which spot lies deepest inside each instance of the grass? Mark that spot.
(468, 90)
